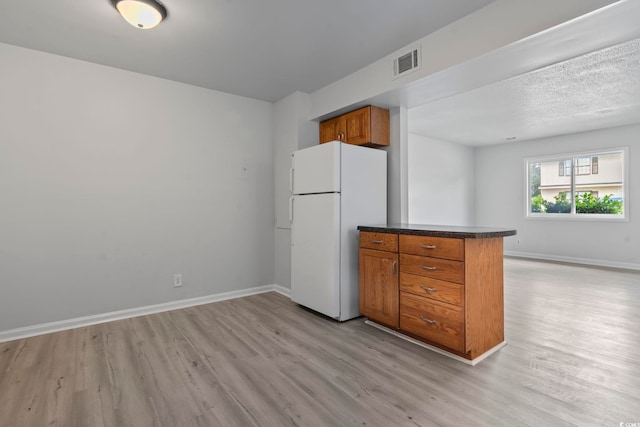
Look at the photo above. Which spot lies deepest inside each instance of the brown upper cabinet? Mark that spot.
(365, 126)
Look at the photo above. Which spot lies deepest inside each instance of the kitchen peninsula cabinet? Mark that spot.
(448, 282)
(367, 126)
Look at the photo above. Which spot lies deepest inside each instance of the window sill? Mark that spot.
(578, 217)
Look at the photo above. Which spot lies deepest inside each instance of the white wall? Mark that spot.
(397, 157)
(499, 24)
(441, 182)
(292, 131)
(500, 201)
(112, 181)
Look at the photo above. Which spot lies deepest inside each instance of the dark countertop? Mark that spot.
(440, 230)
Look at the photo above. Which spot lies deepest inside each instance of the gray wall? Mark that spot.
(441, 182)
(500, 198)
(292, 131)
(112, 181)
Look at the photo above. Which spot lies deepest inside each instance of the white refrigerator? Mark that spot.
(335, 187)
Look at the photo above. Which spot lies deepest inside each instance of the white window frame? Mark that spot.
(573, 216)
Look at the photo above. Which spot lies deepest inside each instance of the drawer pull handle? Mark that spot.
(426, 267)
(428, 289)
(429, 321)
(428, 246)
(377, 242)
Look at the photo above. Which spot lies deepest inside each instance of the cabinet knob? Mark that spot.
(428, 246)
(426, 267)
(393, 267)
(428, 289)
(377, 242)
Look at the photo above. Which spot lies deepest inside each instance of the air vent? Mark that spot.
(406, 63)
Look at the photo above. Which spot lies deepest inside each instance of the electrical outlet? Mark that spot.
(177, 280)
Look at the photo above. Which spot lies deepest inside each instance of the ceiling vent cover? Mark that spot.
(407, 63)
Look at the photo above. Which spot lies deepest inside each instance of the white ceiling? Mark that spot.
(269, 49)
(593, 90)
(263, 49)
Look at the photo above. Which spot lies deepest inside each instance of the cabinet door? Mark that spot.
(332, 130)
(379, 286)
(358, 126)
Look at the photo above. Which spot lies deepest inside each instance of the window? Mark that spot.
(583, 166)
(586, 185)
(564, 167)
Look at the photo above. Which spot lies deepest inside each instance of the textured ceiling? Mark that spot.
(592, 91)
(263, 49)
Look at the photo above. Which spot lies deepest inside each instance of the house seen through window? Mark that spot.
(582, 184)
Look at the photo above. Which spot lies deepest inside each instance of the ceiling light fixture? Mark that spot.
(144, 14)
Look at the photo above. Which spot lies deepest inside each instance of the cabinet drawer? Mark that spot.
(440, 290)
(379, 241)
(436, 321)
(443, 269)
(437, 247)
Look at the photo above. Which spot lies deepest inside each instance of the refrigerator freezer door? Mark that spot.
(316, 169)
(315, 252)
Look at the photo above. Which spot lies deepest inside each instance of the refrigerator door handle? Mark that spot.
(291, 209)
(291, 180)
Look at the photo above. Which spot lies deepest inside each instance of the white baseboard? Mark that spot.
(282, 291)
(473, 362)
(62, 325)
(574, 260)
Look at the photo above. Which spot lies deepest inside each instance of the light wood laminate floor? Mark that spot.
(573, 358)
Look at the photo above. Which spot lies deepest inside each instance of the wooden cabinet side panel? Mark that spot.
(379, 286)
(380, 126)
(484, 295)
